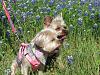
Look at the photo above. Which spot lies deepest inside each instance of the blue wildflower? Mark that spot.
(80, 21)
(71, 27)
(93, 10)
(79, 11)
(51, 2)
(58, 7)
(33, 1)
(37, 17)
(92, 16)
(20, 30)
(85, 13)
(70, 59)
(55, 13)
(22, 5)
(69, 5)
(8, 33)
(48, 9)
(3, 18)
(24, 15)
(90, 6)
(96, 3)
(29, 13)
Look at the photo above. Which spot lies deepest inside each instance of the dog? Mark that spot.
(34, 55)
(56, 23)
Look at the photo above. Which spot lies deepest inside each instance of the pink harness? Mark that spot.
(34, 62)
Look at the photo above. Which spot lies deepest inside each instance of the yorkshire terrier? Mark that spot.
(34, 55)
(56, 23)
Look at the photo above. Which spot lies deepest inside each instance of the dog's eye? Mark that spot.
(65, 27)
(52, 39)
(58, 28)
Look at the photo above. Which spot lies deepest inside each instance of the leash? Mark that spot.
(8, 16)
(9, 20)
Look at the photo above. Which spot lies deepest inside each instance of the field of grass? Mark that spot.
(79, 54)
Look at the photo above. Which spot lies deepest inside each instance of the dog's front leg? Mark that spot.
(40, 72)
(13, 67)
(24, 69)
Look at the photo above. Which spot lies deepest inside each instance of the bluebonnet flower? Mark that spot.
(69, 5)
(33, 1)
(80, 21)
(18, 12)
(8, 33)
(85, 13)
(58, 7)
(20, 30)
(24, 15)
(70, 59)
(93, 10)
(82, 2)
(48, 9)
(90, 6)
(22, 5)
(29, 13)
(71, 27)
(79, 12)
(51, 2)
(95, 26)
(92, 16)
(73, 16)
(3, 18)
(37, 17)
(55, 13)
(96, 3)
(25, 7)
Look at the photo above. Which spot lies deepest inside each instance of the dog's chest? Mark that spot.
(34, 57)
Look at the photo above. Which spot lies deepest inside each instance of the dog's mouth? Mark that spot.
(61, 37)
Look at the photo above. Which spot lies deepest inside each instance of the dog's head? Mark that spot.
(47, 40)
(57, 23)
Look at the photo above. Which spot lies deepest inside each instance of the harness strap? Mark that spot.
(35, 63)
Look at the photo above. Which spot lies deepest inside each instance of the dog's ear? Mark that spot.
(47, 21)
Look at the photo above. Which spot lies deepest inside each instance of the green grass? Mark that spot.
(83, 42)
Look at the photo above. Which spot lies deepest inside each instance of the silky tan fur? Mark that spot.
(46, 40)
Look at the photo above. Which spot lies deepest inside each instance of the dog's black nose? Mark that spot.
(65, 32)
